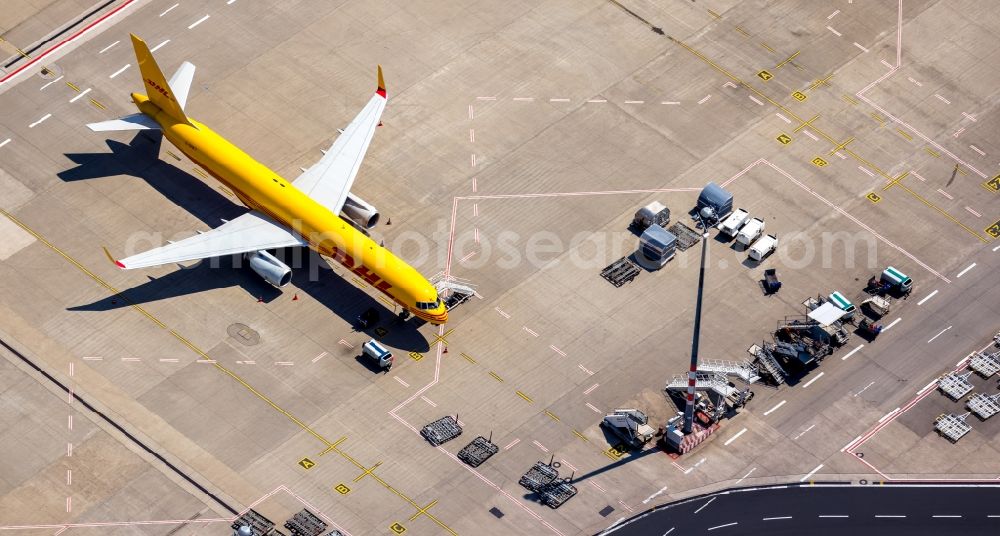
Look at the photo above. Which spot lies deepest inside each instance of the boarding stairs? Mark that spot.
(743, 370)
(705, 381)
(770, 364)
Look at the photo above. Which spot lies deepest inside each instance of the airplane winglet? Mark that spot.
(112, 259)
(381, 83)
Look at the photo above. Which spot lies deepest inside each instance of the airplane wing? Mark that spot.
(252, 231)
(329, 181)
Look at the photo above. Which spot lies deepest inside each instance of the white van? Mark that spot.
(763, 247)
(377, 353)
(732, 224)
(751, 232)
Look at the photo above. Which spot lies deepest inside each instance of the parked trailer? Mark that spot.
(734, 222)
(763, 247)
(750, 232)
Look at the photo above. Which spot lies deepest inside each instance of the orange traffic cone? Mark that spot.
(445, 350)
(379, 123)
(295, 297)
(260, 299)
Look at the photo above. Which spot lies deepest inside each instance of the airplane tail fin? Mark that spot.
(157, 88)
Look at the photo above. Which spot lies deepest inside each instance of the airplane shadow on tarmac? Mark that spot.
(140, 158)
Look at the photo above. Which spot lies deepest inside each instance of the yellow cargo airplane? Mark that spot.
(303, 212)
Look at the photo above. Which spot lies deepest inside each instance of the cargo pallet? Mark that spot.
(478, 451)
(441, 431)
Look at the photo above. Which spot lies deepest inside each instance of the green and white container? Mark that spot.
(897, 279)
(841, 302)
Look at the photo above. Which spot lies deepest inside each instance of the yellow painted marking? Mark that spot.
(525, 397)
(943, 213)
(360, 282)
(333, 446)
(820, 82)
(496, 376)
(306, 463)
(878, 118)
(468, 358)
(742, 31)
(200, 172)
(819, 162)
(551, 415)
(768, 47)
(850, 100)
(397, 528)
(616, 452)
(932, 152)
(799, 96)
(171, 153)
(765, 76)
(895, 181)
(960, 169)
(381, 331)
(221, 368)
(98, 105)
(417, 356)
(73, 86)
(843, 145)
(784, 139)
(387, 301)
(808, 123)
(367, 472)
(994, 230)
(788, 112)
(714, 14)
(993, 184)
(581, 436)
(423, 510)
(787, 60)
(342, 489)
(443, 338)
(904, 134)
(873, 197)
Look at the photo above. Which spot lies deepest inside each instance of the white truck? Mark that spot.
(631, 425)
(732, 224)
(750, 232)
(378, 354)
(763, 247)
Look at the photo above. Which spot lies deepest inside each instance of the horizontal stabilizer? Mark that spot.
(137, 121)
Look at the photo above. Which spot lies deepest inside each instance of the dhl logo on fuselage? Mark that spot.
(360, 270)
(156, 86)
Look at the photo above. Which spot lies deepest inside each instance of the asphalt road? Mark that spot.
(827, 510)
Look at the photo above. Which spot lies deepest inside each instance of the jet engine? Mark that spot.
(360, 211)
(271, 269)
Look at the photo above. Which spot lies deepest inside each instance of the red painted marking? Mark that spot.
(86, 28)
(381, 92)
(120, 265)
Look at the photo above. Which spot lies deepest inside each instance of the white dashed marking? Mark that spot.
(197, 22)
(120, 71)
(80, 95)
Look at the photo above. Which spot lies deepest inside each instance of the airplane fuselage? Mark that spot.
(260, 188)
